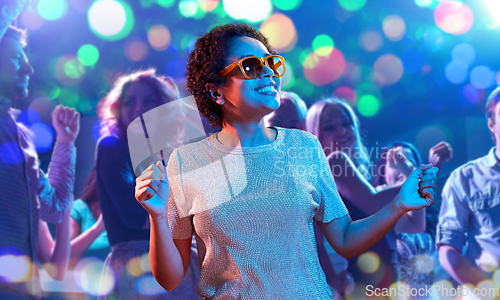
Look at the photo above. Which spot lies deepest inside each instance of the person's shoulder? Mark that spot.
(467, 170)
(297, 135)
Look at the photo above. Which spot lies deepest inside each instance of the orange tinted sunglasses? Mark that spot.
(252, 66)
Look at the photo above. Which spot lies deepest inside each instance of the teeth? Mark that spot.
(266, 89)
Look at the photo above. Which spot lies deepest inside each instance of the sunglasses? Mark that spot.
(252, 66)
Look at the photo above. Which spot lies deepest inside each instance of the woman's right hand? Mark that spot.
(398, 161)
(152, 190)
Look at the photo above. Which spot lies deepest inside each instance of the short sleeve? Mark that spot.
(181, 227)
(331, 205)
(77, 211)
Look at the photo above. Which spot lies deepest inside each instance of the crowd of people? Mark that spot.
(249, 211)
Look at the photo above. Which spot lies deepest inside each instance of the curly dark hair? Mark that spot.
(208, 59)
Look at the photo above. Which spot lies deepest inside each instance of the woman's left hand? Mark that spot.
(419, 189)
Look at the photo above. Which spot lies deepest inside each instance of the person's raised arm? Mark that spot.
(354, 187)
(353, 238)
(81, 241)
(54, 254)
(169, 258)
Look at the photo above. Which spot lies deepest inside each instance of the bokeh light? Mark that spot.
(88, 55)
(346, 93)
(430, 135)
(413, 60)
(52, 9)
(136, 50)
(188, 8)
(89, 276)
(394, 27)
(352, 5)
(388, 69)
(453, 17)
(370, 40)
(134, 267)
(320, 70)
(29, 117)
(368, 262)
(423, 3)
(280, 31)
(288, 80)
(287, 4)
(482, 77)
(456, 72)
(31, 19)
(69, 70)
(496, 278)
(251, 10)
(487, 290)
(111, 20)
(433, 39)
(208, 5)
(159, 37)
(43, 137)
(368, 106)
(165, 3)
(148, 286)
(463, 52)
(323, 44)
(15, 268)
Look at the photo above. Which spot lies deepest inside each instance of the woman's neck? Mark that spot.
(246, 134)
(5, 104)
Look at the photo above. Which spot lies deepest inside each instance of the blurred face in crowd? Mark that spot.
(138, 99)
(14, 70)
(336, 129)
(392, 176)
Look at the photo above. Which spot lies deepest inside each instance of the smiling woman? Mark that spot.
(252, 219)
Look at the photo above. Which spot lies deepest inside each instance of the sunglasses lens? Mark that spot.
(276, 64)
(252, 67)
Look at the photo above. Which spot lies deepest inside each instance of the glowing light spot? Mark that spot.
(134, 267)
(424, 263)
(147, 285)
(323, 44)
(188, 8)
(413, 60)
(496, 277)
(208, 5)
(463, 52)
(43, 105)
(44, 137)
(370, 40)
(73, 68)
(111, 20)
(453, 17)
(388, 69)
(368, 262)
(88, 55)
(368, 106)
(87, 276)
(280, 31)
(493, 7)
(394, 27)
(11, 153)
(456, 72)
(15, 268)
(288, 79)
(68, 70)
(320, 70)
(52, 9)
(29, 117)
(482, 77)
(69, 97)
(469, 95)
(159, 37)
(136, 50)
(399, 286)
(31, 19)
(251, 10)
(352, 5)
(165, 3)
(287, 4)
(369, 88)
(485, 287)
(360, 74)
(423, 3)
(433, 39)
(346, 93)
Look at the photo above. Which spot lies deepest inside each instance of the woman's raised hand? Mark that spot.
(419, 189)
(152, 190)
(399, 162)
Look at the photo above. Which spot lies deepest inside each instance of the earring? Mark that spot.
(212, 96)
